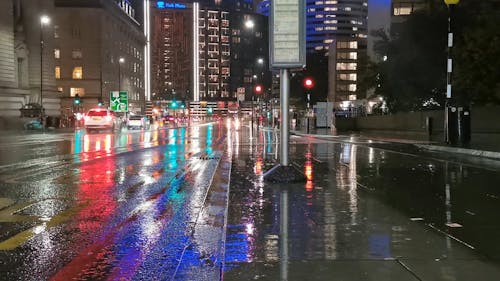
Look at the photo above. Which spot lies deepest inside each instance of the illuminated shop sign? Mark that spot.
(166, 5)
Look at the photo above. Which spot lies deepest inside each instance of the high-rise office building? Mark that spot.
(341, 24)
(207, 53)
(171, 51)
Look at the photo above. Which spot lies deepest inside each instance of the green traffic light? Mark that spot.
(174, 104)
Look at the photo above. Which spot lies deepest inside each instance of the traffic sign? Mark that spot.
(118, 101)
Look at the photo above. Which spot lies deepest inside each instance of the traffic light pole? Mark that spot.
(307, 113)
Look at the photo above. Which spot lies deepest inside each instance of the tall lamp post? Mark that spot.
(44, 20)
(449, 68)
(121, 60)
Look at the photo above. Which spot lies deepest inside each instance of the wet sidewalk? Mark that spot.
(481, 145)
(363, 214)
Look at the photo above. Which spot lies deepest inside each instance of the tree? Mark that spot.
(477, 60)
(414, 75)
(415, 69)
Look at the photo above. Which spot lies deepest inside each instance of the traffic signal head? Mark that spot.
(258, 89)
(308, 83)
(210, 110)
(173, 104)
(77, 100)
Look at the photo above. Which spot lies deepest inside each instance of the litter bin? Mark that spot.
(452, 125)
(463, 125)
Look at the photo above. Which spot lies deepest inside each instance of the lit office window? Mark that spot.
(76, 54)
(57, 72)
(402, 11)
(352, 87)
(346, 66)
(352, 97)
(347, 76)
(77, 72)
(57, 53)
(77, 91)
(56, 31)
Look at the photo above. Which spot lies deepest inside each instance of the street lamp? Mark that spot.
(449, 68)
(44, 20)
(249, 24)
(121, 60)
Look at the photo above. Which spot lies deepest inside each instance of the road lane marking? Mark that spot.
(22, 237)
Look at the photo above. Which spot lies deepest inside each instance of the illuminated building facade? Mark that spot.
(171, 52)
(205, 53)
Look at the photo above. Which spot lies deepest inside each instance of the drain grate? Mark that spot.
(209, 158)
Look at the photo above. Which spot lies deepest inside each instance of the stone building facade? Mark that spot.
(20, 60)
(82, 44)
(89, 40)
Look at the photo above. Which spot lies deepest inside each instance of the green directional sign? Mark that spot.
(118, 101)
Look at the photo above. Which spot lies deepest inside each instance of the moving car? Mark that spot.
(138, 122)
(100, 118)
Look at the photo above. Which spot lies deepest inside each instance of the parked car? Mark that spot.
(100, 118)
(138, 122)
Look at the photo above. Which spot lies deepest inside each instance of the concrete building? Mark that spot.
(98, 47)
(249, 54)
(401, 9)
(23, 70)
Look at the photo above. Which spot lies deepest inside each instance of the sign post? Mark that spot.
(118, 101)
(288, 51)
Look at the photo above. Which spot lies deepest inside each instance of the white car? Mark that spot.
(138, 121)
(101, 118)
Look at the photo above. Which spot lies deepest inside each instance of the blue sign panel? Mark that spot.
(166, 5)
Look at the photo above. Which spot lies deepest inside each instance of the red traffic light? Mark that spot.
(258, 89)
(308, 83)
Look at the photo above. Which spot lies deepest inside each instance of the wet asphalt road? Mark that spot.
(152, 205)
(127, 206)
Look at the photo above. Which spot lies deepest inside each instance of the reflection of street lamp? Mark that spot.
(44, 20)
(121, 60)
(451, 6)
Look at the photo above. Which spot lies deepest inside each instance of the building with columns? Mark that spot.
(24, 73)
(83, 42)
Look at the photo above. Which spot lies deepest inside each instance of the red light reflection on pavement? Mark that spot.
(96, 192)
